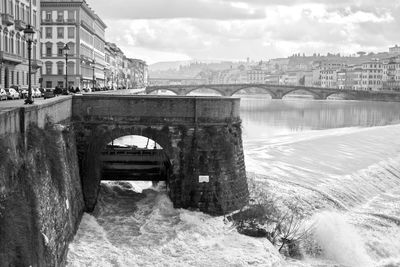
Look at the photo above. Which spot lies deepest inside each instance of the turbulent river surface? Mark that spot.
(340, 161)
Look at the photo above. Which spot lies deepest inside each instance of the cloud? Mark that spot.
(260, 29)
(168, 9)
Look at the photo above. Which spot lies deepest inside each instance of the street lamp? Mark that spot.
(112, 80)
(29, 34)
(66, 51)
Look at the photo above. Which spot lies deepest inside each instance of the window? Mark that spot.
(12, 44)
(10, 4)
(17, 10)
(27, 14)
(60, 51)
(34, 18)
(49, 50)
(71, 15)
(49, 32)
(49, 66)
(60, 32)
(60, 68)
(17, 77)
(18, 47)
(22, 12)
(71, 32)
(49, 84)
(60, 15)
(48, 15)
(6, 42)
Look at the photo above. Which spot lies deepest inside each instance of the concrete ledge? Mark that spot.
(16, 120)
(10, 121)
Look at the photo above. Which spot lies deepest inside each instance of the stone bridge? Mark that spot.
(200, 135)
(279, 91)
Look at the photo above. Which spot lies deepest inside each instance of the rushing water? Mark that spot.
(339, 160)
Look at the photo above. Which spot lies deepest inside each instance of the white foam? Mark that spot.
(339, 240)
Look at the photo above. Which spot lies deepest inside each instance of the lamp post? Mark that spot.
(66, 50)
(29, 33)
(94, 78)
(112, 80)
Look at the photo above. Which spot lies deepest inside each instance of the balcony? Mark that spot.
(20, 25)
(36, 63)
(7, 19)
(8, 57)
(87, 26)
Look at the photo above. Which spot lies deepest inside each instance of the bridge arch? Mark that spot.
(263, 88)
(345, 94)
(217, 90)
(172, 90)
(91, 163)
(314, 94)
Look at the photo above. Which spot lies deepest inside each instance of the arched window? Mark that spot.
(60, 51)
(49, 49)
(60, 68)
(6, 41)
(18, 46)
(71, 46)
(49, 67)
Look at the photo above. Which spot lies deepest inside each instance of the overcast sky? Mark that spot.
(168, 30)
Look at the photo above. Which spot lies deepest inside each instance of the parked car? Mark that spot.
(3, 94)
(48, 93)
(36, 92)
(23, 92)
(12, 94)
(18, 90)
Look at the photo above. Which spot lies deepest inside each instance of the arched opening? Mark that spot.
(338, 96)
(204, 92)
(300, 94)
(162, 92)
(252, 92)
(135, 159)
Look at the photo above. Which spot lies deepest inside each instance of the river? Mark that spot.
(339, 160)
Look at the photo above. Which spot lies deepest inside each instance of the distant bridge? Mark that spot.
(279, 91)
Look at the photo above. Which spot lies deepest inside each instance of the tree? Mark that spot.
(361, 53)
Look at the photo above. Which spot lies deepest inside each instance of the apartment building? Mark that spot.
(372, 75)
(15, 16)
(391, 74)
(75, 24)
(139, 73)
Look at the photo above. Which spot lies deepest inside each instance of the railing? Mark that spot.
(7, 19)
(58, 21)
(36, 63)
(5, 56)
(20, 25)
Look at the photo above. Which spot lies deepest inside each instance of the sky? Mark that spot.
(174, 30)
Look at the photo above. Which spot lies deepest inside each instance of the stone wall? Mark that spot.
(201, 137)
(215, 153)
(41, 201)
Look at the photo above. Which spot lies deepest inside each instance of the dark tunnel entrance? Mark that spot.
(135, 158)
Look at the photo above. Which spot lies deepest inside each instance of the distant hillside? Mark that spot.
(168, 65)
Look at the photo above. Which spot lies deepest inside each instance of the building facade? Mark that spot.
(73, 23)
(372, 74)
(15, 16)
